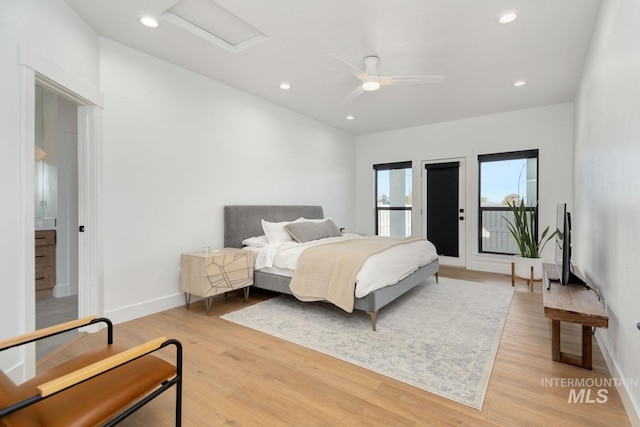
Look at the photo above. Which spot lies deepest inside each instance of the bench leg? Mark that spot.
(586, 347)
(555, 340)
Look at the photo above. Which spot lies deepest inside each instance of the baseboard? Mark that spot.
(61, 290)
(17, 373)
(632, 412)
(135, 311)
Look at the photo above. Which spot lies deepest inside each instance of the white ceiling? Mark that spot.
(460, 39)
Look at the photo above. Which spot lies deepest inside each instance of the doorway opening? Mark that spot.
(56, 214)
(35, 68)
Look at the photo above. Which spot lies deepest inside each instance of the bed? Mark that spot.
(245, 221)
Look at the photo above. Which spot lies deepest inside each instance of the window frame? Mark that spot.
(381, 167)
(495, 157)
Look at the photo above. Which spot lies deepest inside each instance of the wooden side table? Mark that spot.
(206, 274)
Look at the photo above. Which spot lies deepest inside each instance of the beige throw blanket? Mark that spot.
(328, 272)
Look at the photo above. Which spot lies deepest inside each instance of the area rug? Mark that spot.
(440, 337)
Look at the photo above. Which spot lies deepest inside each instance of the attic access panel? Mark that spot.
(210, 21)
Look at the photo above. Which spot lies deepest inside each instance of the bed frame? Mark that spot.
(243, 221)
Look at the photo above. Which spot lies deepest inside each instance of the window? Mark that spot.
(504, 177)
(393, 199)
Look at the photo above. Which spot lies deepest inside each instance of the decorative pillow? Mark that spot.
(307, 231)
(315, 219)
(256, 242)
(275, 231)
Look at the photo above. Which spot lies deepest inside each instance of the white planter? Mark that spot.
(522, 267)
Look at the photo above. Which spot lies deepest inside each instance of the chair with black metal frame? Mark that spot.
(100, 387)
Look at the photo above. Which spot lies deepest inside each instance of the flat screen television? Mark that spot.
(563, 248)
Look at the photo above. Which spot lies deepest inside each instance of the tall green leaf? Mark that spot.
(523, 230)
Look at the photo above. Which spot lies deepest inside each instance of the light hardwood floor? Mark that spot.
(234, 376)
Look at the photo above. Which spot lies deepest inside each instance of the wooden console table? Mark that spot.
(574, 304)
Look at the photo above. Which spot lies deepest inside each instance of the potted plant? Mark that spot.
(523, 230)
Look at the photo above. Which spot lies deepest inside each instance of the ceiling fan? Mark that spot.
(371, 80)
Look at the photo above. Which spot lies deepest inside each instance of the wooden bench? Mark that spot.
(574, 304)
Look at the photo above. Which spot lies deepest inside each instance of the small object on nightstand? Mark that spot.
(206, 274)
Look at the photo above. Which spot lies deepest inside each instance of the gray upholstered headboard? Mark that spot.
(243, 221)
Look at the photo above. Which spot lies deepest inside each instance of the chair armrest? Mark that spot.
(97, 368)
(45, 332)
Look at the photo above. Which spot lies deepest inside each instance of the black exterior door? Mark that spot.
(443, 212)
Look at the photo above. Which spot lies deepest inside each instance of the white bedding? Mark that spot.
(380, 270)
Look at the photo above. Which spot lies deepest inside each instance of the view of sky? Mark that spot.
(502, 178)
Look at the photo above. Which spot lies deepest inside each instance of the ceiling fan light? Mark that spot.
(370, 85)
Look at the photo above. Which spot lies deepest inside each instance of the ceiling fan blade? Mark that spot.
(346, 66)
(410, 80)
(353, 95)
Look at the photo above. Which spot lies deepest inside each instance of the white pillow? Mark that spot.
(256, 242)
(275, 231)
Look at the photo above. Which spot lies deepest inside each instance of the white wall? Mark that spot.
(607, 155)
(177, 148)
(50, 27)
(549, 129)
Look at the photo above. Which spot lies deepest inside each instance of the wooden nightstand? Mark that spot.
(206, 274)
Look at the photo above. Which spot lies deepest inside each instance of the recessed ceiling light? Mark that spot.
(285, 86)
(508, 17)
(148, 21)
(350, 117)
(519, 83)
